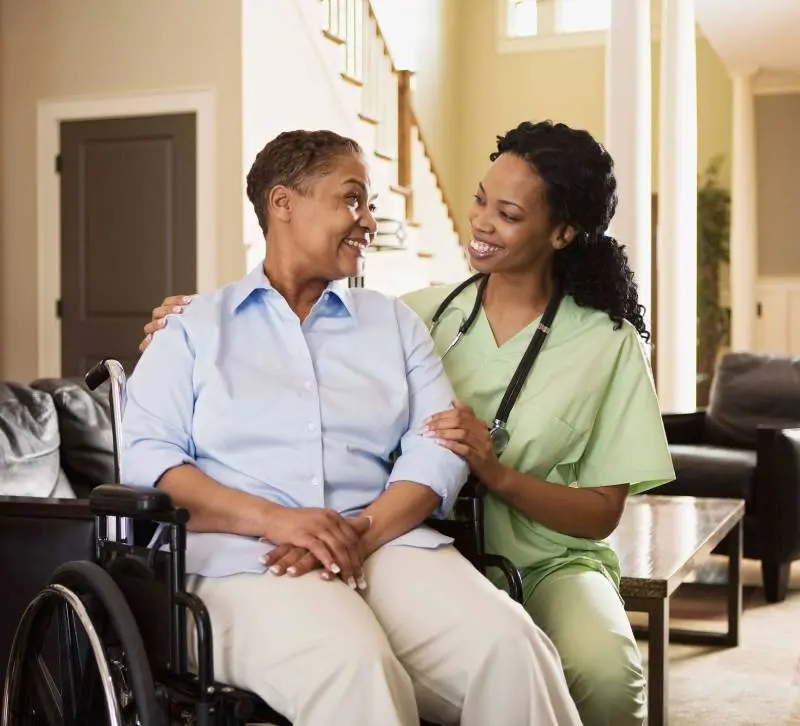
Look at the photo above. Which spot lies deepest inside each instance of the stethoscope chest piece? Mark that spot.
(499, 436)
(498, 432)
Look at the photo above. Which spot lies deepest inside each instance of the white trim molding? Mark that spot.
(50, 114)
(776, 81)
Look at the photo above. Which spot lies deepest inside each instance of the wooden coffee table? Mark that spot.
(660, 541)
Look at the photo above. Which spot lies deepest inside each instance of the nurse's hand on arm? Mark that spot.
(589, 513)
(159, 451)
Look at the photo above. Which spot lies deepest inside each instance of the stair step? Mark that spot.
(337, 39)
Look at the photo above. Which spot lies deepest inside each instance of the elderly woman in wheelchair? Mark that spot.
(286, 413)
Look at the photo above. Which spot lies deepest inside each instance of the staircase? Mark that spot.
(379, 98)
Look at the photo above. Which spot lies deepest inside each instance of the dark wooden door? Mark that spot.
(128, 229)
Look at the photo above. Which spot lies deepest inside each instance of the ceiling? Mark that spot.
(752, 35)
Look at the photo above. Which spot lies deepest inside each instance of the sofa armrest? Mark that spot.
(143, 503)
(777, 491)
(44, 508)
(685, 428)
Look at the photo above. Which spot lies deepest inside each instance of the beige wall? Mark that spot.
(498, 90)
(778, 162)
(53, 49)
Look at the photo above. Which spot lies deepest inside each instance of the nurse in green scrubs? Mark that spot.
(585, 429)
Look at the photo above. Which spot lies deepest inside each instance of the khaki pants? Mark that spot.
(430, 637)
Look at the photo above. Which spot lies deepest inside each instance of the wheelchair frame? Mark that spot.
(157, 569)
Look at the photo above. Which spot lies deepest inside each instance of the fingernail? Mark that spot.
(148, 337)
(276, 569)
(326, 575)
(335, 569)
(352, 582)
(291, 570)
(186, 299)
(263, 559)
(362, 583)
(177, 309)
(427, 432)
(162, 322)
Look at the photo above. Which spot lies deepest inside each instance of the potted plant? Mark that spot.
(713, 234)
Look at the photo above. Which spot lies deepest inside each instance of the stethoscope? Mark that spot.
(498, 432)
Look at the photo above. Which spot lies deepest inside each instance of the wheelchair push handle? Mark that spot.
(111, 370)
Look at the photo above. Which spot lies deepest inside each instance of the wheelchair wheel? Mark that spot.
(102, 674)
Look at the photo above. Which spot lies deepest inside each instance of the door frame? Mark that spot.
(49, 115)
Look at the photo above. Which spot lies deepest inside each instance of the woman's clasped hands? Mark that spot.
(308, 539)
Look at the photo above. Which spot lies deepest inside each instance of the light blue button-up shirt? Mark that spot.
(304, 415)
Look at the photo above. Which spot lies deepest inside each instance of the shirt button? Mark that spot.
(315, 482)
(312, 427)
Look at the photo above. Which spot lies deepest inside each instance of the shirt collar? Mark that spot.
(257, 279)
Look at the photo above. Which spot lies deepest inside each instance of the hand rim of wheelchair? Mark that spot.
(121, 679)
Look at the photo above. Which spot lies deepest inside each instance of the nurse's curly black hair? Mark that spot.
(578, 174)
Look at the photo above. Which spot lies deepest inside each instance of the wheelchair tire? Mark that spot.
(123, 673)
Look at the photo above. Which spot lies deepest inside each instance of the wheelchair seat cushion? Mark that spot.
(84, 419)
(29, 444)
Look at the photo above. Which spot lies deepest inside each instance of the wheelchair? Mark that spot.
(106, 639)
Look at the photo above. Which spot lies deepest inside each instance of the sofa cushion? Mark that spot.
(749, 390)
(29, 444)
(711, 471)
(87, 448)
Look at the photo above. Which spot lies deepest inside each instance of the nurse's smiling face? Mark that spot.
(510, 219)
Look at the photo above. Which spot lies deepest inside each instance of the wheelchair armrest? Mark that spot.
(512, 574)
(148, 503)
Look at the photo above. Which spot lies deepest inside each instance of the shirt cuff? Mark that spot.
(435, 467)
(143, 466)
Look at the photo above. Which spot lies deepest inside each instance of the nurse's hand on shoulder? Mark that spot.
(461, 431)
(171, 305)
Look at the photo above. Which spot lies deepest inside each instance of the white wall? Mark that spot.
(289, 81)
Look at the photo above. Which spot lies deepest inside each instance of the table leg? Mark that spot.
(658, 646)
(733, 547)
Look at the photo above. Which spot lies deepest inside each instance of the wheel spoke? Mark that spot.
(69, 662)
(48, 699)
(89, 704)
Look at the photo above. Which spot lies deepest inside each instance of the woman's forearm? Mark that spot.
(589, 513)
(403, 506)
(215, 507)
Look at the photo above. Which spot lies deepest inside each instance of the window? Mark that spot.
(580, 16)
(545, 21)
(523, 17)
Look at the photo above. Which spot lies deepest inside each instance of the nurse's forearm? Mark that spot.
(214, 507)
(589, 513)
(403, 506)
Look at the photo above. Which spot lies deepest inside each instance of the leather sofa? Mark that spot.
(746, 444)
(55, 442)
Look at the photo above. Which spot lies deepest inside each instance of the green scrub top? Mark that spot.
(588, 416)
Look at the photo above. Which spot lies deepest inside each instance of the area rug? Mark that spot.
(754, 684)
